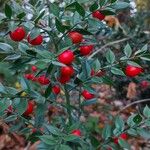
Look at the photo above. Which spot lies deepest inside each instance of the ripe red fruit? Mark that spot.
(18, 34)
(144, 84)
(76, 132)
(92, 72)
(36, 41)
(76, 37)
(86, 49)
(97, 14)
(133, 71)
(34, 68)
(29, 109)
(56, 89)
(66, 57)
(9, 110)
(67, 71)
(87, 95)
(29, 76)
(64, 79)
(123, 136)
(43, 80)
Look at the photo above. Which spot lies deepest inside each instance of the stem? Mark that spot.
(133, 103)
(68, 105)
(80, 106)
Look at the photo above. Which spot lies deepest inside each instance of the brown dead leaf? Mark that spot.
(131, 91)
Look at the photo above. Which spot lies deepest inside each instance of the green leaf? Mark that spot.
(56, 63)
(53, 130)
(113, 1)
(39, 117)
(144, 133)
(34, 33)
(59, 26)
(64, 147)
(108, 12)
(110, 56)
(128, 50)
(49, 69)
(48, 139)
(4, 104)
(48, 91)
(54, 9)
(21, 106)
(5, 48)
(133, 63)
(94, 7)
(103, 2)
(132, 132)
(120, 5)
(80, 9)
(10, 118)
(8, 11)
(117, 71)
(137, 119)
(21, 15)
(13, 57)
(146, 112)
(119, 123)
(71, 6)
(124, 144)
(2, 89)
(83, 31)
(107, 132)
(39, 17)
(147, 58)
(143, 50)
(89, 102)
(70, 138)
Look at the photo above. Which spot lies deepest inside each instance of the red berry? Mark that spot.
(34, 130)
(36, 41)
(76, 132)
(144, 84)
(124, 136)
(9, 110)
(116, 140)
(64, 79)
(87, 95)
(56, 89)
(67, 71)
(43, 80)
(18, 34)
(76, 37)
(66, 57)
(34, 68)
(29, 76)
(133, 71)
(97, 14)
(86, 50)
(29, 109)
(92, 72)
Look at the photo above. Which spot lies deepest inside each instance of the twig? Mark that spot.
(108, 44)
(133, 103)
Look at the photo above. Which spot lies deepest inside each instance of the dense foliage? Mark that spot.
(59, 51)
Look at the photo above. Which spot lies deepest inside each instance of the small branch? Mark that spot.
(68, 105)
(107, 45)
(136, 102)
